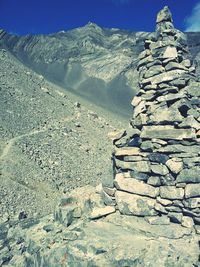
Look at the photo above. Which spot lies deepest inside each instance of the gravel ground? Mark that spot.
(51, 141)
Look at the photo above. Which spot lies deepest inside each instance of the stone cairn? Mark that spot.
(157, 160)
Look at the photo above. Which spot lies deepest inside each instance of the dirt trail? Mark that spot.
(11, 142)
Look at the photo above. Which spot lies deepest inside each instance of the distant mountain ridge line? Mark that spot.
(97, 63)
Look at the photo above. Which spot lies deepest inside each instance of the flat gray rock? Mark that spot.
(192, 190)
(135, 186)
(191, 175)
(167, 132)
(171, 192)
(130, 204)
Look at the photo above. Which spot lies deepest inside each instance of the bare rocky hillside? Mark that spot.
(97, 63)
(51, 140)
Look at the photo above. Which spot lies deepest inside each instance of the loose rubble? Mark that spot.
(49, 142)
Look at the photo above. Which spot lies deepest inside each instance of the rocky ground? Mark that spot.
(51, 141)
(79, 234)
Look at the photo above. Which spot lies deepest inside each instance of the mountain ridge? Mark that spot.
(82, 55)
(96, 63)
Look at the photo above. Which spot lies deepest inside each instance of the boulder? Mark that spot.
(171, 192)
(164, 202)
(147, 146)
(158, 207)
(136, 187)
(116, 135)
(187, 222)
(129, 204)
(149, 95)
(193, 89)
(174, 165)
(173, 209)
(159, 169)
(133, 158)
(186, 63)
(166, 115)
(165, 76)
(144, 54)
(167, 132)
(67, 211)
(136, 100)
(109, 191)
(138, 166)
(145, 61)
(154, 180)
(154, 70)
(138, 175)
(189, 151)
(192, 190)
(174, 65)
(191, 175)
(101, 212)
(193, 202)
(139, 108)
(127, 151)
(107, 199)
(158, 157)
(141, 119)
(190, 121)
(164, 15)
(172, 96)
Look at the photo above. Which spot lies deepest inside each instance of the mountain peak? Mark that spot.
(90, 23)
(93, 25)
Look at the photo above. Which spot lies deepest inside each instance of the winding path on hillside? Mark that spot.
(11, 142)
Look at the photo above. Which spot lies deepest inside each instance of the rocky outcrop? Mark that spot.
(157, 163)
(85, 232)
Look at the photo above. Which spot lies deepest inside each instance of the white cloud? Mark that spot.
(193, 21)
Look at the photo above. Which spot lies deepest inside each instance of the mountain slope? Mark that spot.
(49, 142)
(94, 62)
(97, 63)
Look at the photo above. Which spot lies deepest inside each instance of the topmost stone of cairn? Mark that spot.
(164, 20)
(164, 15)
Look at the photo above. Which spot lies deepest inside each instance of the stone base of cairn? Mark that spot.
(157, 160)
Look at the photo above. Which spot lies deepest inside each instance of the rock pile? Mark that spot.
(157, 161)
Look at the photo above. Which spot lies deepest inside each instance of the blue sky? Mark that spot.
(42, 16)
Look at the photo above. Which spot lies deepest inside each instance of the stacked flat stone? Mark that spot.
(157, 160)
